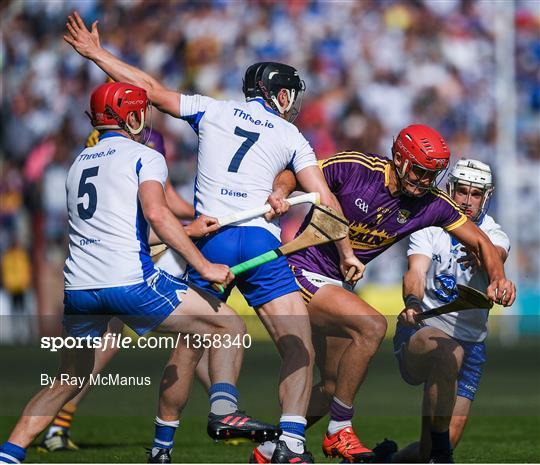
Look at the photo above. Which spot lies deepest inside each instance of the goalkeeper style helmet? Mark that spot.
(471, 173)
(420, 157)
(267, 79)
(111, 103)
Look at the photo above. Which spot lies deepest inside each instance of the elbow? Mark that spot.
(155, 216)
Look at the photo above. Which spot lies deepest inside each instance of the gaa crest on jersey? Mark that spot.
(363, 206)
(446, 287)
(403, 216)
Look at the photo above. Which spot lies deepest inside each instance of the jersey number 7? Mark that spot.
(251, 138)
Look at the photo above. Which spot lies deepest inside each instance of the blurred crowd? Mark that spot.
(370, 66)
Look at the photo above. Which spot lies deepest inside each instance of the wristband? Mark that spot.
(411, 301)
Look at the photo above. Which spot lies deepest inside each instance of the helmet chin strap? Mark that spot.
(140, 128)
(400, 175)
(124, 125)
(291, 95)
(403, 170)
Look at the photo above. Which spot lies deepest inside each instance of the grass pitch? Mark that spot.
(115, 424)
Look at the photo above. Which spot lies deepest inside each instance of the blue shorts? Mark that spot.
(142, 306)
(235, 244)
(471, 368)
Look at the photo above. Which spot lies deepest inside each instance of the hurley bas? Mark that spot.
(95, 380)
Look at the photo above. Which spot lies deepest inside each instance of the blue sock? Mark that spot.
(293, 425)
(440, 442)
(165, 430)
(223, 398)
(11, 453)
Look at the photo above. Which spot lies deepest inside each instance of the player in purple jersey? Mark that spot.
(384, 201)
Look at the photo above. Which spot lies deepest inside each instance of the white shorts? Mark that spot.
(310, 282)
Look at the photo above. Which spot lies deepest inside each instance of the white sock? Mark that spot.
(155, 451)
(294, 442)
(335, 426)
(223, 407)
(267, 449)
(223, 402)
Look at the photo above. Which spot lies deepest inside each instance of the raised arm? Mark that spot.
(500, 289)
(87, 44)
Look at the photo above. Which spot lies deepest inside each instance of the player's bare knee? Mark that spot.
(448, 356)
(236, 326)
(432, 343)
(77, 362)
(448, 352)
(368, 332)
(232, 325)
(295, 351)
(376, 330)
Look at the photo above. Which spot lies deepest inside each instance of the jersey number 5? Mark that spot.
(89, 189)
(251, 138)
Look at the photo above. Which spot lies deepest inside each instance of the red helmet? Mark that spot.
(421, 148)
(111, 103)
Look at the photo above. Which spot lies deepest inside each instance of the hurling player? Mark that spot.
(384, 201)
(447, 353)
(58, 435)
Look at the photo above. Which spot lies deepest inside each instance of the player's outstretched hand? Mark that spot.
(216, 273)
(470, 260)
(502, 291)
(80, 38)
(279, 205)
(202, 226)
(352, 269)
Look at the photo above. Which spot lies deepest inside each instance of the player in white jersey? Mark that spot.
(115, 191)
(243, 146)
(447, 353)
(58, 435)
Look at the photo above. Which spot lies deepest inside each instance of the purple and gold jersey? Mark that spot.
(377, 219)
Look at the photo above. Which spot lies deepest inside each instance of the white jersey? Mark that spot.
(445, 273)
(108, 234)
(243, 146)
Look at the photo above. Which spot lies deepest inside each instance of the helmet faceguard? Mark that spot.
(472, 173)
(421, 158)
(268, 79)
(111, 104)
